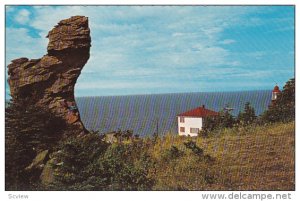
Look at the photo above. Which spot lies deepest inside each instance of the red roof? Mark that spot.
(276, 89)
(199, 112)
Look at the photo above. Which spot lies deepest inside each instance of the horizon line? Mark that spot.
(170, 93)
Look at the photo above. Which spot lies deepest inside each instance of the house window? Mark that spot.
(181, 119)
(182, 129)
(194, 130)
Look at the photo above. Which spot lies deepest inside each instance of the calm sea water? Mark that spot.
(141, 113)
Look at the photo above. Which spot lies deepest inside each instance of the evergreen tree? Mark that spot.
(247, 116)
(287, 97)
(283, 109)
(225, 120)
(28, 130)
(89, 163)
(209, 124)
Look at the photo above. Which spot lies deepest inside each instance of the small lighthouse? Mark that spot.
(275, 93)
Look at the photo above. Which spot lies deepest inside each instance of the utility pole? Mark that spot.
(155, 135)
(157, 126)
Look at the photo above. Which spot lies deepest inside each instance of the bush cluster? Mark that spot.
(89, 163)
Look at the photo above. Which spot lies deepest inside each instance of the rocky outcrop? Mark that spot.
(51, 79)
(39, 161)
(47, 175)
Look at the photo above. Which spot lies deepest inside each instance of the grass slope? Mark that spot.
(252, 158)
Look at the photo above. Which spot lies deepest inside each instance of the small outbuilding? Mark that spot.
(190, 123)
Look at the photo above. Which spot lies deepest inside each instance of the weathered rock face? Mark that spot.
(51, 79)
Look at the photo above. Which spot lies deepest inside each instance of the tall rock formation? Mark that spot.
(51, 79)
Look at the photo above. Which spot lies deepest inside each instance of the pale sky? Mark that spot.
(167, 49)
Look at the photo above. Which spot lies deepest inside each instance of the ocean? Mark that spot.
(142, 113)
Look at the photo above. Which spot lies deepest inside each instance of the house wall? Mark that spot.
(189, 122)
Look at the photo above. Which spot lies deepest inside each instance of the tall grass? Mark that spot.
(248, 158)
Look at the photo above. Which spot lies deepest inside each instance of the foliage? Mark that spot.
(209, 124)
(283, 109)
(181, 166)
(76, 159)
(126, 167)
(224, 120)
(88, 163)
(155, 137)
(172, 153)
(124, 135)
(28, 130)
(247, 116)
(195, 149)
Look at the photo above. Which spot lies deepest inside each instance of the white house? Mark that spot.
(191, 122)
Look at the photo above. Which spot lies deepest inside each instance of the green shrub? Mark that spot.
(224, 120)
(195, 149)
(76, 166)
(89, 163)
(126, 167)
(172, 153)
(248, 116)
